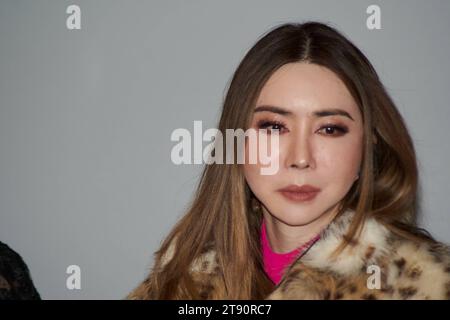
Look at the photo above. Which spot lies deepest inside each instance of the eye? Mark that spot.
(332, 129)
(271, 125)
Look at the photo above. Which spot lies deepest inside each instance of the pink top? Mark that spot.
(276, 263)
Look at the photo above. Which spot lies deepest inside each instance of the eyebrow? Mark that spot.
(318, 113)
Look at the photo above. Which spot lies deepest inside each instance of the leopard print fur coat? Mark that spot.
(379, 265)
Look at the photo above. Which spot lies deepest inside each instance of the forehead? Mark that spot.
(305, 87)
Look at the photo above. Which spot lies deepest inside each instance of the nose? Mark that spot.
(299, 153)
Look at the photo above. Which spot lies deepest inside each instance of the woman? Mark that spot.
(337, 219)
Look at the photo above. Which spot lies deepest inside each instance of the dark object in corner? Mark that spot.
(15, 279)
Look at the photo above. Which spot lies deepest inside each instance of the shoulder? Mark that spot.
(205, 262)
(376, 243)
(203, 270)
(406, 269)
(419, 269)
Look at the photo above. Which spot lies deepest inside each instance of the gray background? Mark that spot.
(86, 117)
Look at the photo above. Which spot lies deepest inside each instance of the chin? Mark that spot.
(295, 219)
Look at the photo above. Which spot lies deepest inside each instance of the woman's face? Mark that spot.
(318, 148)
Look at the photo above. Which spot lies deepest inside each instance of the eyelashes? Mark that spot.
(266, 124)
(278, 125)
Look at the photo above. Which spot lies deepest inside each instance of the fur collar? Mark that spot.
(407, 270)
(370, 246)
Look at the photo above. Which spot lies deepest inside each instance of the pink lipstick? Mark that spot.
(299, 193)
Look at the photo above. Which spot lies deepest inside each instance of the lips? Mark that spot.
(299, 193)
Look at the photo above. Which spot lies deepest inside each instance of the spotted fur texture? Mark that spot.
(379, 265)
(406, 270)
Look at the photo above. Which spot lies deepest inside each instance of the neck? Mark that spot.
(285, 238)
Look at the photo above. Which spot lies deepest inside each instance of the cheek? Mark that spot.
(250, 170)
(264, 157)
(257, 183)
(262, 150)
(340, 161)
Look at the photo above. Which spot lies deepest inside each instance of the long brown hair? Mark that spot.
(221, 211)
